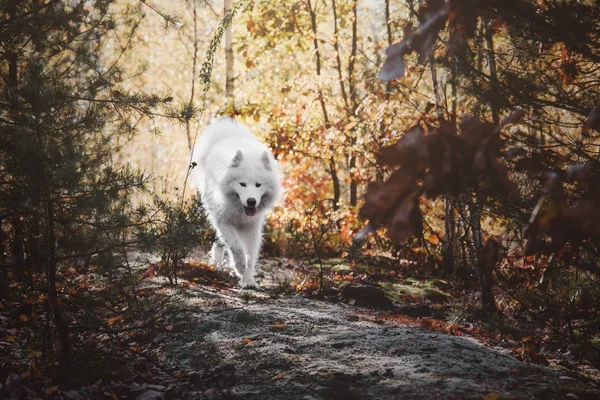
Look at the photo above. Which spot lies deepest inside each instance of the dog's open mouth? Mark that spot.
(250, 211)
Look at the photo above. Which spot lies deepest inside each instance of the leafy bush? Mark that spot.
(176, 231)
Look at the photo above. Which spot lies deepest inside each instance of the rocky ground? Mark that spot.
(270, 346)
(214, 341)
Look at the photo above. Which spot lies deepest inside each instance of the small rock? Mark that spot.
(158, 338)
(70, 395)
(566, 378)
(151, 395)
(158, 388)
(369, 296)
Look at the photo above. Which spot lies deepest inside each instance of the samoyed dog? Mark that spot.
(239, 183)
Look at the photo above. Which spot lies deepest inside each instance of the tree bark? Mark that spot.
(332, 164)
(338, 58)
(449, 220)
(228, 55)
(489, 42)
(17, 243)
(488, 258)
(352, 90)
(188, 127)
(64, 360)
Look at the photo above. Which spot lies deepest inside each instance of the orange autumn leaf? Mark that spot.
(434, 240)
(114, 320)
(279, 325)
(277, 377)
(492, 396)
(23, 318)
(51, 390)
(247, 340)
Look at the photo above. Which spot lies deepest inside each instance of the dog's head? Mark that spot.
(254, 181)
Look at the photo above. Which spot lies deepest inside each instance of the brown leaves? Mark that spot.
(554, 221)
(593, 120)
(409, 149)
(443, 161)
(433, 15)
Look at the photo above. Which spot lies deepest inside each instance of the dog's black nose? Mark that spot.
(251, 202)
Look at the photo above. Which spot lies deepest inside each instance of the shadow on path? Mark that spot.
(297, 348)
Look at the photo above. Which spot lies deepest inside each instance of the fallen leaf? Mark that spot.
(492, 396)
(36, 354)
(11, 339)
(23, 318)
(433, 239)
(279, 325)
(51, 390)
(277, 377)
(114, 320)
(247, 340)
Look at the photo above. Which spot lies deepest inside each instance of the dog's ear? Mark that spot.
(237, 159)
(266, 160)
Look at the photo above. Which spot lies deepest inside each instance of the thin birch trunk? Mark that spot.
(229, 78)
(188, 127)
(332, 165)
(352, 90)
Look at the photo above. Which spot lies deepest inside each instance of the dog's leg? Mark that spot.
(217, 253)
(253, 242)
(238, 255)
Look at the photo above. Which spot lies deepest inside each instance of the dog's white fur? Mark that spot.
(233, 168)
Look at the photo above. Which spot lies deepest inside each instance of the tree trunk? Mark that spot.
(17, 253)
(188, 127)
(332, 164)
(488, 258)
(228, 55)
(448, 267)
(438, 101)
(475, 221)
(489, 42)
(449, 239)
(352, 89)
(338, 58)
(64, 360)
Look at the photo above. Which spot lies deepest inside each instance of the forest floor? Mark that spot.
(206, 339)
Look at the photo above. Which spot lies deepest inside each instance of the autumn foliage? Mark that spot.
(453, 139)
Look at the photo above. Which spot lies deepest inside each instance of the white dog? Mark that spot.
(239, 183)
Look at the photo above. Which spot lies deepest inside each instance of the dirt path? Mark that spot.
(299, 348)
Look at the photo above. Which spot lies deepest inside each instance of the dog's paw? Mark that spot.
(249, 284)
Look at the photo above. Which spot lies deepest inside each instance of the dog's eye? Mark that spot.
(258, 184)
(243, 184)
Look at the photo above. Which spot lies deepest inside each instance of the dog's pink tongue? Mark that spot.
(251, 211)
